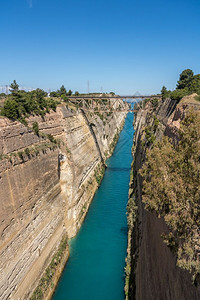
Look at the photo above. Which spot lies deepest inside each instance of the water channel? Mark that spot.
(95, 269)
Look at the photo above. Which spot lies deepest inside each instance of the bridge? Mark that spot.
(108, 102)
(109, 96)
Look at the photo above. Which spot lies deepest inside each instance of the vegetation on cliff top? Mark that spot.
(187, 84)
(21, 104)
(171, 187)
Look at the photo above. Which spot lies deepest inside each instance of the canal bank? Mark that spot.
(95, 269)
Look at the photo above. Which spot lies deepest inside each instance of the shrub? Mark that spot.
(51, 138)
(20, 154)
(179, 94)
(197, 98)
(27, 152)
(154, 103)
(36, 128)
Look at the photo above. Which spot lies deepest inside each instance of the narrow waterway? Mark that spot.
(95, 270)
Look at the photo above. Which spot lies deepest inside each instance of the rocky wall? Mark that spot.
(152, 273)
(47, 182)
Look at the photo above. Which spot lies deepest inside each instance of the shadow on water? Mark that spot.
(124, 230)
(111, 169)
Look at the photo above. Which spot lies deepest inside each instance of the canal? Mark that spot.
(95, 269)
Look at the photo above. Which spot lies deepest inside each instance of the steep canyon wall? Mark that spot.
(151, 265)
(46, 188)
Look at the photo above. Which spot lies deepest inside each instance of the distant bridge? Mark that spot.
(115, 97)
(107, 103)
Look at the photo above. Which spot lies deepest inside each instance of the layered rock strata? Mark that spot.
(47, 182)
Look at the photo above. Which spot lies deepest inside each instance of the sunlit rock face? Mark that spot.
(45, 191)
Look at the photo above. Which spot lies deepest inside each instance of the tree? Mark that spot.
(76, 93)
(163, 90)
(194, 85)
(63, 90)
(54, 94)
(14, 86)
(179, 94)
(69, 93)
(165, 93)
(21, 104)
(2, 95)
(10, 109)
(185, 78)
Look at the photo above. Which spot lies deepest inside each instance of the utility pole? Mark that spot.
(88, 86)
(6, 89)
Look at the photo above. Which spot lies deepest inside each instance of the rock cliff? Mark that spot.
(151, 268)
(47, 182)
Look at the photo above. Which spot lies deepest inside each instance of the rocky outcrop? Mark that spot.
(151, 266)
(47, 183)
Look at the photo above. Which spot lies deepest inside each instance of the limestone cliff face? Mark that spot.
(45, 190)
(154, 274)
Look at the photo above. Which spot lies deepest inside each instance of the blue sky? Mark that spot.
(122, 46)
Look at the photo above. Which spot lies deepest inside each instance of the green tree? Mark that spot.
(10, 109)
(164, 93)
(69, 93)
(14, 86)
(64, 97)
(21, 104)
(185, 78)
(179, 94)
(54, 94)
(163, 90)
(63, 90)
(194, 84)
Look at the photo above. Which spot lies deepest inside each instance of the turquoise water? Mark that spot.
(95, 270)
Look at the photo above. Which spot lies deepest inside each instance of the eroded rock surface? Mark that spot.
(45, 191)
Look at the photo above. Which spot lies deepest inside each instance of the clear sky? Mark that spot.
(120, 45)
